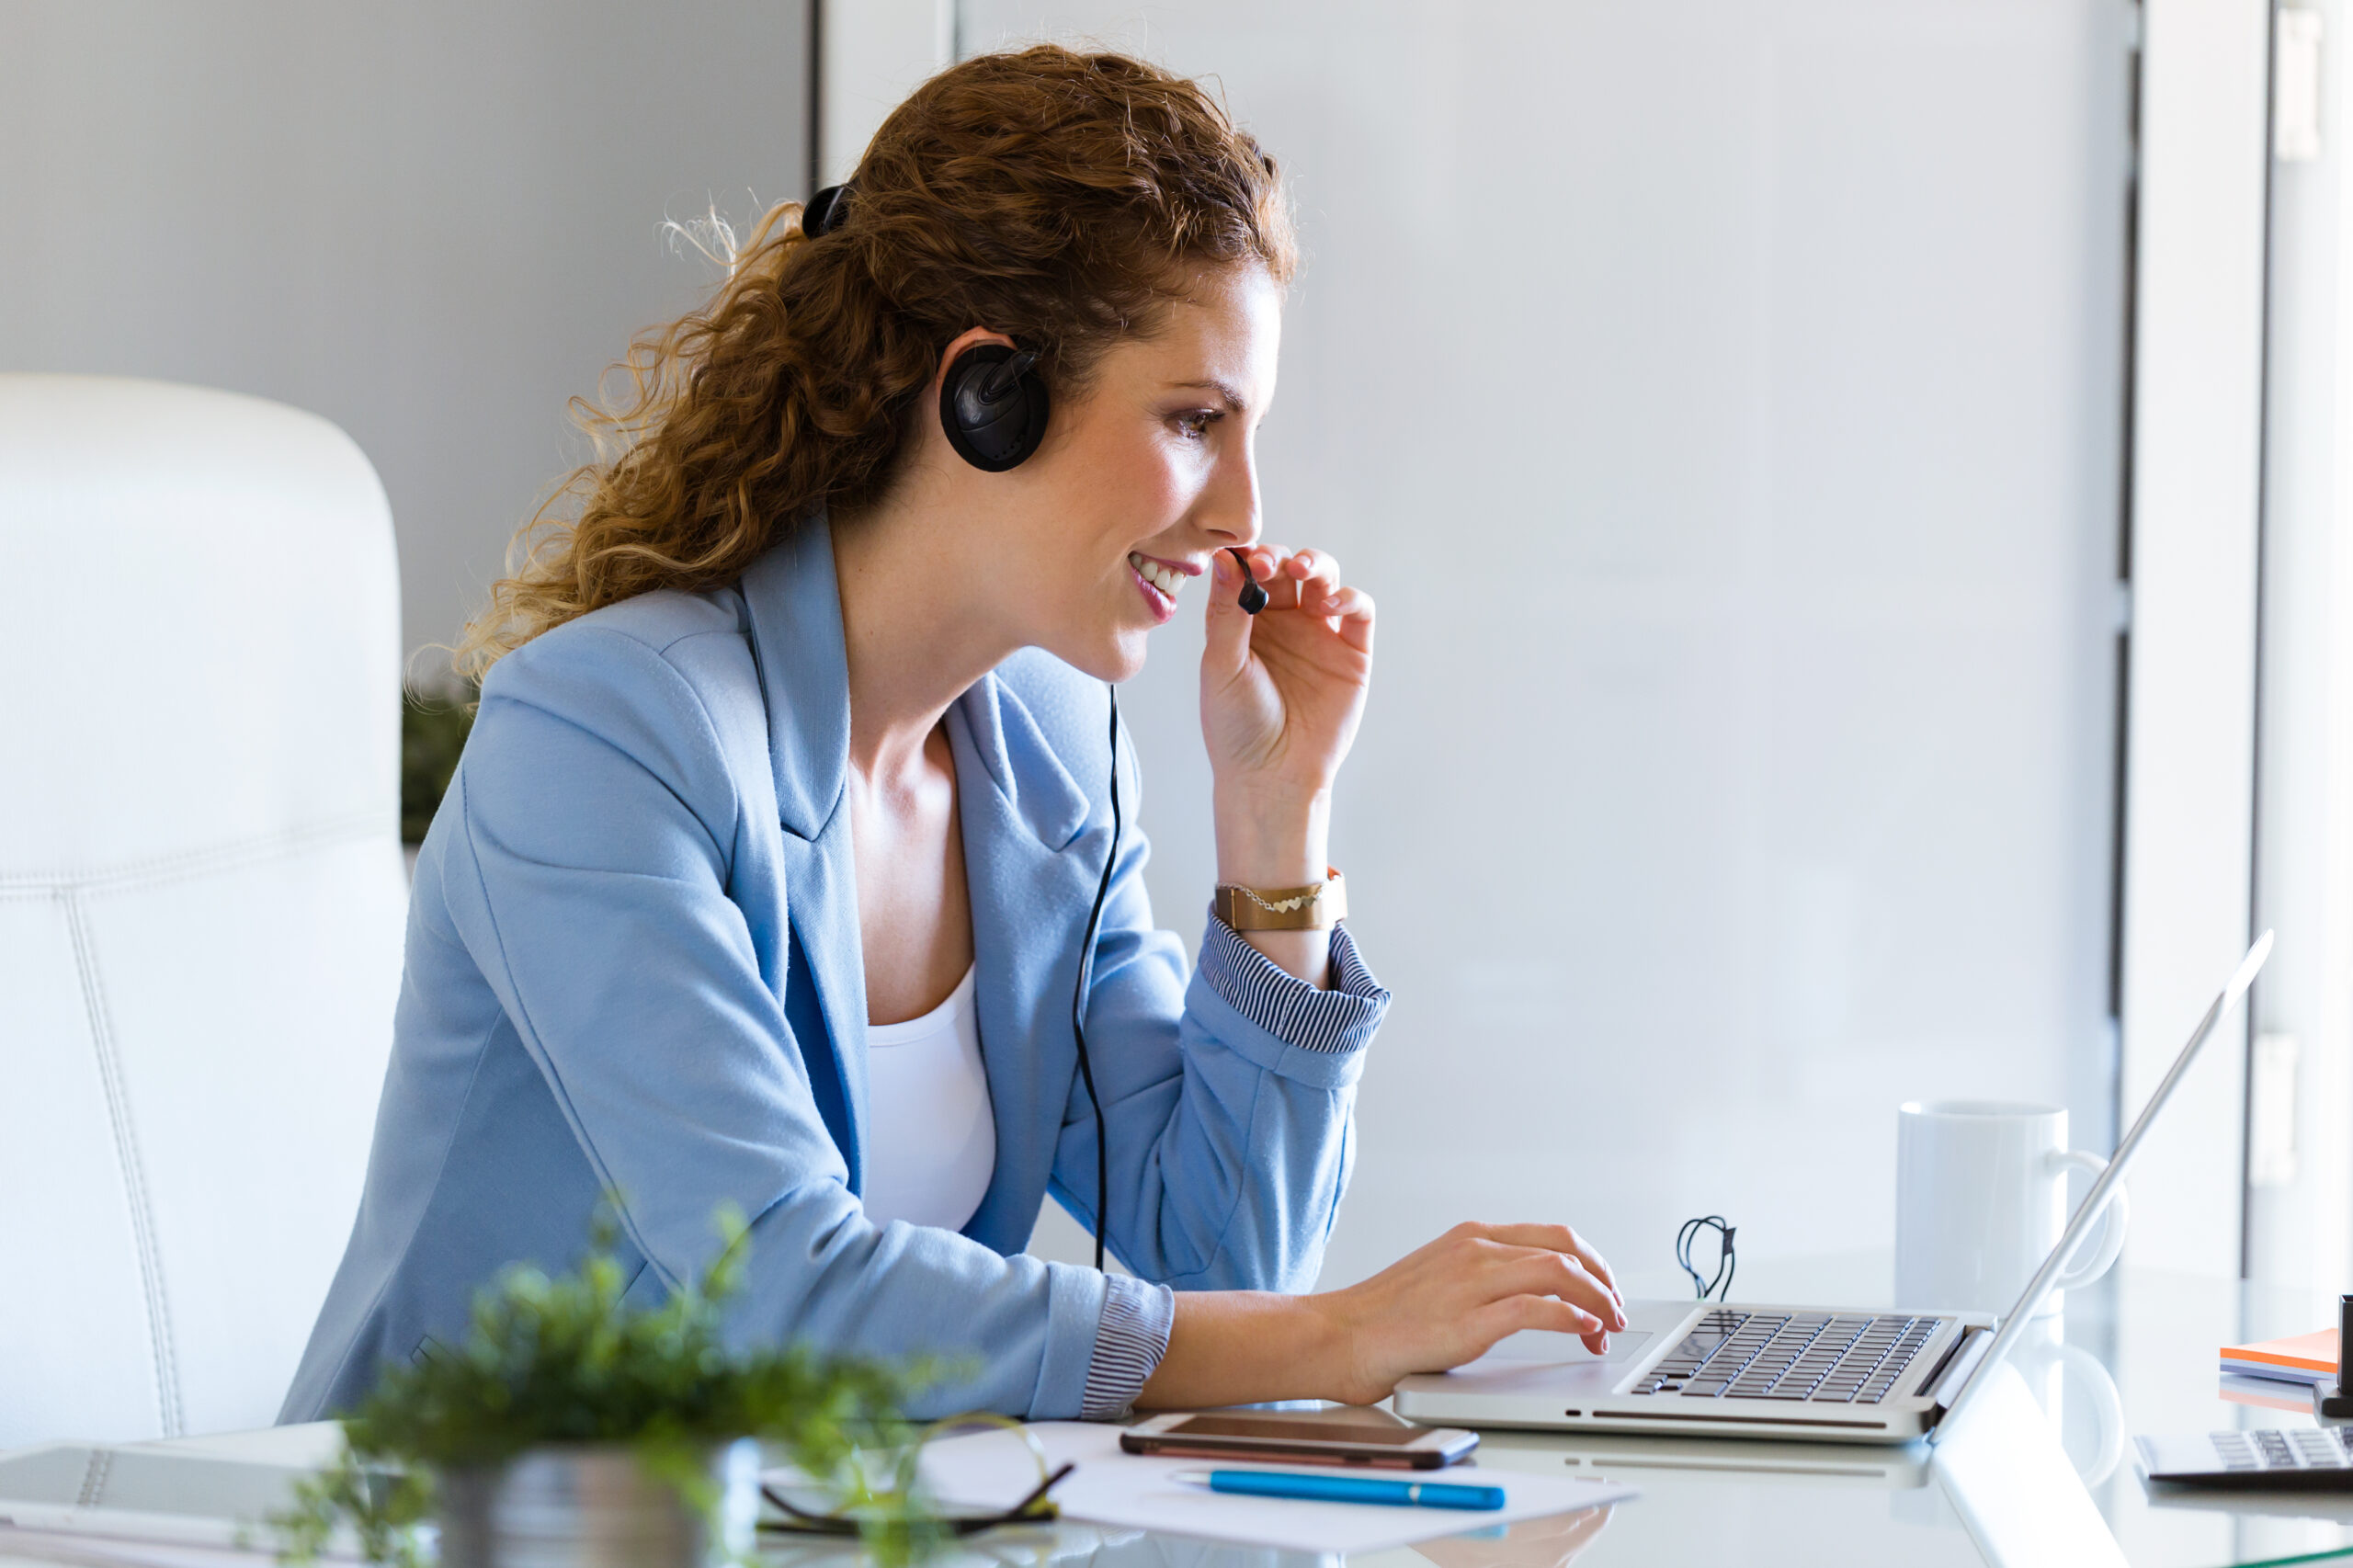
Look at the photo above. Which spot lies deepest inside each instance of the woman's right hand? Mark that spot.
(1449, 1301)
(1432, 1310)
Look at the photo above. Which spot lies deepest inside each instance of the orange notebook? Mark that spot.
(2305, 1359)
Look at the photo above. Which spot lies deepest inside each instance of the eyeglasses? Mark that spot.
(1691, 1232)
(1036, 1508)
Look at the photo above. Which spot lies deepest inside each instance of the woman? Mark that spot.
(792, 760)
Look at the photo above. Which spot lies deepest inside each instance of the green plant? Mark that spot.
(564, 1360)
(433, 734)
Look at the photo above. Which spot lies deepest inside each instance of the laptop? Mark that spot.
(1827, 1374)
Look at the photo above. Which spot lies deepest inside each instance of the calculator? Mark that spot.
(2290, 1459)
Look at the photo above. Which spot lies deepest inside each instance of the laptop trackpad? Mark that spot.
(1536, 1345)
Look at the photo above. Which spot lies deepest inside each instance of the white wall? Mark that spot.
(1725, 402)
(432, 223)
(2300, 1210)
(873, 54)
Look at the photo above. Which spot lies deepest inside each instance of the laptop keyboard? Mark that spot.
(2295, 1447)
(1816, 1356)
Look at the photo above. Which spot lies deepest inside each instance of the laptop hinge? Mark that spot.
(1958, 1362)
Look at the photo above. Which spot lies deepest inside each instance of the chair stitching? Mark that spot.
(134, 1179)
(94, 1478)
(193, 862)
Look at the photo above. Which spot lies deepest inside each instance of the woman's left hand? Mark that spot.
(1281, 691)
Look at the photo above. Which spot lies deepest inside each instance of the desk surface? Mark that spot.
(2044, 1477)
(2021, 1490)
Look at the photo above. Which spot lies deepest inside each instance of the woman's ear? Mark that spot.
(930, 445)
(968, 338)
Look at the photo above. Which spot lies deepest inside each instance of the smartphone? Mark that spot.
(1350, 1436)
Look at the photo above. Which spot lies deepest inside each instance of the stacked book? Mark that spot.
(2305, 1359)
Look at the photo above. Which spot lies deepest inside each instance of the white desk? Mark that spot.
(2007, 1491)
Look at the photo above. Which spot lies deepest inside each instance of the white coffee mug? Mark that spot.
(1981, 1198)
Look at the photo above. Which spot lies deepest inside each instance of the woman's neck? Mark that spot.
(920, 624)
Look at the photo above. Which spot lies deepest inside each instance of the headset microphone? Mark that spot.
(1252, 599)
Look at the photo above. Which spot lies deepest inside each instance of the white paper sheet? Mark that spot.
(1134, 1492)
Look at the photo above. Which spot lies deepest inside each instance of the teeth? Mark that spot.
(1167, 579)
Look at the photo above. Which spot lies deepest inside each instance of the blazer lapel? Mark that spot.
(794, 606)
(1031, 871)
(1031, 875)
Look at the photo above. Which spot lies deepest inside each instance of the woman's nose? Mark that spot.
(1230, 504)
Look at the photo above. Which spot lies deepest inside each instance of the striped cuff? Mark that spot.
(1339, 1020)
(1129, 1342)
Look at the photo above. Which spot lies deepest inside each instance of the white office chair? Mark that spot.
(201, 895)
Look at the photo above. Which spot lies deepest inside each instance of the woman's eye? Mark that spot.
(1197, 423)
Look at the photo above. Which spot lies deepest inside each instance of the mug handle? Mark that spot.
(2102, 1387)
(2111, 1225)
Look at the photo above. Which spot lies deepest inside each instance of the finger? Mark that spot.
(1227, 647)
(1536, 1271)
(1557, 1238)
(1351, 611)
(1273, 565)
(1319, 591)
(1559, 1241)
(1559, 1274)
(1315, 577)
(1314, 566)
(1356, 627)
(1513, 1314)
(1265, 560)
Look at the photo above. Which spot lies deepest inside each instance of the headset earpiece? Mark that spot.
(825, 211)
(993, 404)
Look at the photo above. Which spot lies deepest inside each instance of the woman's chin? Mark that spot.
(1114, 658)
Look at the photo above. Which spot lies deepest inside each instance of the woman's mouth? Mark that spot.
(1158, 581)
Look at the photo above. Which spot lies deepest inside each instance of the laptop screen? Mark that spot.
(2087, 1213)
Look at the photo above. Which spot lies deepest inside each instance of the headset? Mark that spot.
(994, 407)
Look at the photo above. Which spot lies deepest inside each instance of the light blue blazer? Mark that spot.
(633, 966)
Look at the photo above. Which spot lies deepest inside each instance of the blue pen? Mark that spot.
(1345, 1489)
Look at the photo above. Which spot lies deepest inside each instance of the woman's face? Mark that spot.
(1144, 477)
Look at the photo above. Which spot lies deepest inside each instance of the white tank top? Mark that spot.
(933, 1132)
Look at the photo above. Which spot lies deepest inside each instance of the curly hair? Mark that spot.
(1058, 197)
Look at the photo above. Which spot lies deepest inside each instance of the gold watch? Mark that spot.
(1318, 906)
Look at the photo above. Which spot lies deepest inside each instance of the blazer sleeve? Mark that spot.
(1227, 1093)
(590, 883)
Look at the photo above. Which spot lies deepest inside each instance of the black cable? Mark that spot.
(1725, 1260)
(1079, 995)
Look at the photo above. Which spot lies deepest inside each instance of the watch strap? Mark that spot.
(1318, 906)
